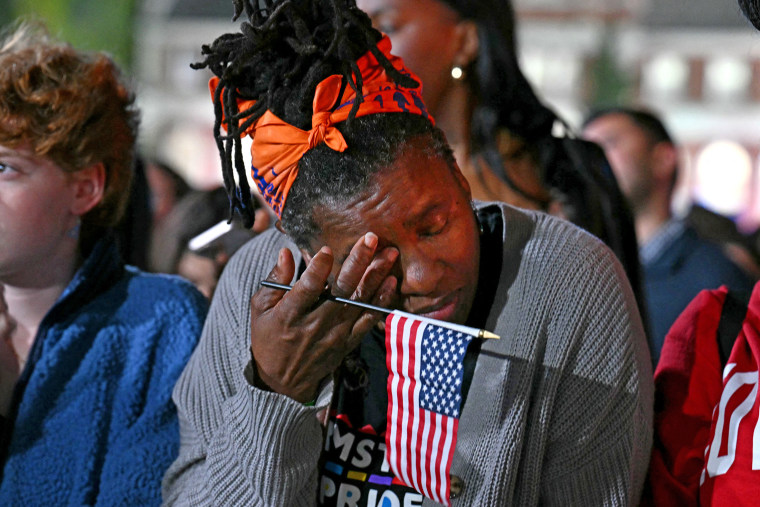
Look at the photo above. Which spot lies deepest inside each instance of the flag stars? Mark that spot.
(441, 369)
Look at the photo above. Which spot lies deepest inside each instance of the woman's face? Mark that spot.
(35, 211)
(422, 207)
(422, 34)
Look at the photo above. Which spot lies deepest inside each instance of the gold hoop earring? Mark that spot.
(457, 73)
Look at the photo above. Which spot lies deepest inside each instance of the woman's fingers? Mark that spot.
(353, 268)
(375, 286)
(282, 272)
(375, 274)
(297, 342)
(384, 297)
(299, 301)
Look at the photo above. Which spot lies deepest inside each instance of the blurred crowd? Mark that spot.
(141, 362)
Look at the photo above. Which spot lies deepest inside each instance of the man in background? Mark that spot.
(676, 261)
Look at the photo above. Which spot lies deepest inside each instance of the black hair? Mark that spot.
(647, 121)
(751, 10)
(282, 52)
(576, 173)
(503, 97)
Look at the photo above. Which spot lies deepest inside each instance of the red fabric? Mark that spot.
(689, 466)
(278, 146)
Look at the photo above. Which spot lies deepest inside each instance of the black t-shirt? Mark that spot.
(353, 470)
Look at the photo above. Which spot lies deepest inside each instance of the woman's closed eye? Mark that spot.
(434, 227)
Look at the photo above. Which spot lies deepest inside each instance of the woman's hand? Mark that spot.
(297, 339)
(9, 365)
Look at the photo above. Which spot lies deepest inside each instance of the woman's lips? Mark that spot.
(443, 312)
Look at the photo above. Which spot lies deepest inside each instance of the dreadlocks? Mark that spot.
(282, 52)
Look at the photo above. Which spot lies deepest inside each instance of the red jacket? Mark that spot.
(706, 421)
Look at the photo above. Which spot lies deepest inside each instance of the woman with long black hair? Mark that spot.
(502, 133)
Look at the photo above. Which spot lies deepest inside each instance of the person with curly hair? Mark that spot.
(373, 207)
(89, 347)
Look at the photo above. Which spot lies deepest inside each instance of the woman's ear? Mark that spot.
(89, 186)
(467, 36)
(664, 161)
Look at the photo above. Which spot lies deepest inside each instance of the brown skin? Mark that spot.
(297, 342)
(422, 256)
(432, 38)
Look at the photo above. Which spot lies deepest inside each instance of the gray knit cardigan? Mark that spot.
(559, 411)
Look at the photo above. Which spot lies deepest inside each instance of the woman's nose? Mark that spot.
(419, 273)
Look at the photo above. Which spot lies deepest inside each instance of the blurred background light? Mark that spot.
(723, 176)
(727, 78)
(666, 76)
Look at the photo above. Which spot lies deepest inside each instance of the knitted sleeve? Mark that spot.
(165, 316)
(240, 445)
(598, 404)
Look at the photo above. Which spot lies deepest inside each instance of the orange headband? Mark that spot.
(278, 146)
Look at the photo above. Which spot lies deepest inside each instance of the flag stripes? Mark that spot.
(424, 386)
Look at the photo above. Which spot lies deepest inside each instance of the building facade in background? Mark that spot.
(696, 63)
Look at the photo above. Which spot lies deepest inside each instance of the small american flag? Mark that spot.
(425, 374)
